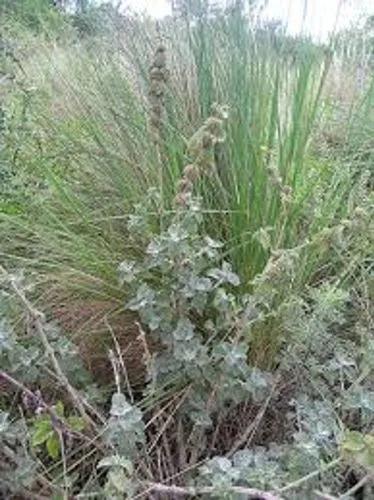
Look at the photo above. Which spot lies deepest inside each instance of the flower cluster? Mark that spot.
(200, 149)
(159, 75)
(276, 181)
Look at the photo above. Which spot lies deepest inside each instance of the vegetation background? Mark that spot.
(186, 221)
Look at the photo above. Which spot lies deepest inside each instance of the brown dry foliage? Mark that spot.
(89, 323)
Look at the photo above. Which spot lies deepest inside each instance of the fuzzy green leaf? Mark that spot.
(120, 407)
(116, 461)
(184, 330)
(117, 480)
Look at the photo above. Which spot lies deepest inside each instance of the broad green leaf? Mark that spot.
(369, 441)
(43, 421)
(366, 458)
(41, 434)
(353, 442)
(53, 446)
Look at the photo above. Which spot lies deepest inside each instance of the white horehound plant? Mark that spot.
(182, 291)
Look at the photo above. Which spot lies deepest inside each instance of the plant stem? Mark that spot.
(313, 474)
(191, 491)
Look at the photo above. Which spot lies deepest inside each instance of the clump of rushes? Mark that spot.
(200, 149)
(159, 75)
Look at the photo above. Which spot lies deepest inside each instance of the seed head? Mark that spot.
(159, 60)
(182, 199)
(220, 111)
(208, 141)
(214, 126)
(157, 73)
(286, 194)
(191, 172)
(359, 213)
(156, 88)
(287, 190)
(185, 185)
